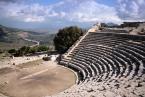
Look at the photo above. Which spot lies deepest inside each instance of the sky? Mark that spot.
(51, 15)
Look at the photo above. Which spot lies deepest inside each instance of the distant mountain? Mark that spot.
(8, 34)
(112, 24)
(14, 38)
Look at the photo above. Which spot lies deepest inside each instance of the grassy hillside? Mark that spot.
(45, 39)
(14, 38)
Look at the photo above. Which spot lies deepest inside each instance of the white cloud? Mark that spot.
(91, 11)
(69, 10)
(62, 14)
(28, 13)
(141, 2)
(34, 18)
(83, 11)
(131, 9)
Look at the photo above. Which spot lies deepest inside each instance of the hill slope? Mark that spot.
(15, 38)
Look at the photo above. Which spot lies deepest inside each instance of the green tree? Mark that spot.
(1, 51)
(42, 48)
(33, 50)
(12, 51)
(66, 38)
(27, 49)
(22, 51)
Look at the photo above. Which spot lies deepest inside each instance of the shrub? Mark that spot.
(66, 38)
(12, 51)
(42, 48)
(46, 58)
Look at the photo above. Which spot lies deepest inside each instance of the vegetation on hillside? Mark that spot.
(14, 38)
(44, 39)
(26, 50)
(66, 38)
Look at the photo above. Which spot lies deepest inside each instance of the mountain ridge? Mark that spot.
(15, 38)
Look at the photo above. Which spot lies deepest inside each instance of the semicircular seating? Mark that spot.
(107, 63)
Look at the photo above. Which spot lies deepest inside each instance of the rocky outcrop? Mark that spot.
(140, 30)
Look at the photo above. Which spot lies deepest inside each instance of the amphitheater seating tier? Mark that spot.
(107, 59)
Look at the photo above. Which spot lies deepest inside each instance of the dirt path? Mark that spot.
(35, 74)
(34, 41)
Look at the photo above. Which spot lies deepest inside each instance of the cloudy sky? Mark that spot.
(54, 14)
